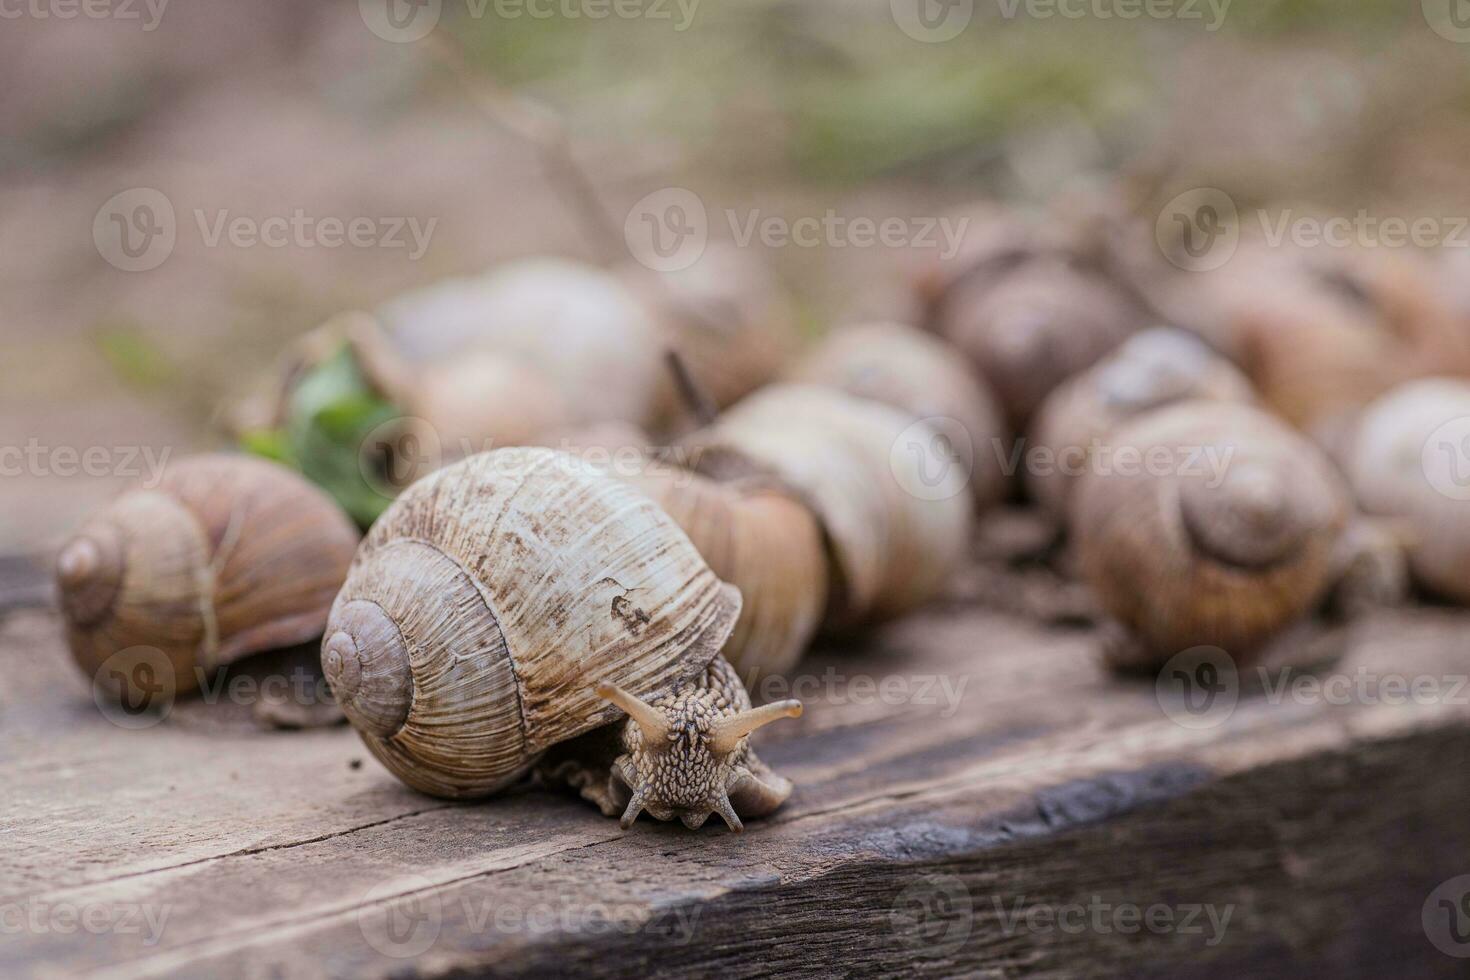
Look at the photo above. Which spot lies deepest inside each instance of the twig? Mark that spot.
(693, 394)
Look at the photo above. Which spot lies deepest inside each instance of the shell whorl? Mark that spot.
(89, 573)
(366, 662)
(1251, 518)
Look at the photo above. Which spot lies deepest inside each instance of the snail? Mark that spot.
(1033, 327)
(1155, 367)
(914, 371)
(506, 612)
(1211, 524)
(888, 494)
(726, 315)
(226, 556)
(579, 328)
(754, 533)
(1407, 461)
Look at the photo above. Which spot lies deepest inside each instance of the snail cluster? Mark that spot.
(1273, 455)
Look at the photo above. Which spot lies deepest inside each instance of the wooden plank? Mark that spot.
(1038, 781)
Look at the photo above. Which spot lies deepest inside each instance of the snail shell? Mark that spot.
(576, 326)
(1408, 460)
(895, 530)
(1034, 327)
(490, 598)
(755, 534)
(227, 556)
(1183, 553)
(914, 371)
(728, 318)
(1153, 368)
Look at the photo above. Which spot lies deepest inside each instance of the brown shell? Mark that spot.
(1028, 331)
(924, 376)
(227, 556)
(1185, 556)
(1153, 368)
(488, 601)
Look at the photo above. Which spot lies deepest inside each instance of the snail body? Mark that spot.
(917, 372)
(1407, 462)
(1153, 368)
(227, 556)
(512, 603)
(1187, 554)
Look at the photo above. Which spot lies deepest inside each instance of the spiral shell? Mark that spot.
(1408, 460)
(488, 601)
(226, 556)
(891, 501)
(1226, 537)
(1156, 367)
(911, 370)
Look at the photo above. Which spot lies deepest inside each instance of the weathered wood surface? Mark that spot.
(203, 846)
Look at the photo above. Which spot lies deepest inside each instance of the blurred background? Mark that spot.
(785, 108)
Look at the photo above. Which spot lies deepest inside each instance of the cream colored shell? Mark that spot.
(491, 597)
(924, 376)
(893, 505)
(1408, 460)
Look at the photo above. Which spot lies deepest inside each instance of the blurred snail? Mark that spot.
(506, 612)
(1152, 368)
(226, 556)
(753, 532)
(1212, 524)
(914, 371)
(890, 498)
(728, 318)
(1408, 460)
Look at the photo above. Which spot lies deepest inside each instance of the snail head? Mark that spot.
(687, 752)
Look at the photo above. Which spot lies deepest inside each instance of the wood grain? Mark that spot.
(917, 832)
